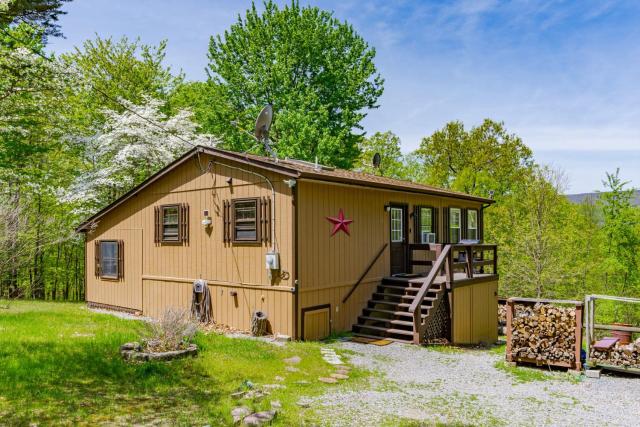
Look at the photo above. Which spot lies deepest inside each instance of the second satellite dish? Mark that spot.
(263, 123)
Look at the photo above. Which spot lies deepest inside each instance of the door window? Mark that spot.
(397, 226)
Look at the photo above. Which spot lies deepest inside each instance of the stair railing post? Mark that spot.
(469, 254)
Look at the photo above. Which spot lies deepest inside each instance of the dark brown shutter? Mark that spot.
(97, 258)
(481, 225)
(416, 224)
(446, 232)
(436, 222)
(264, 219)
(156, 224)
(120, 259)
(184, 223)
(225, 221)
(464, 223)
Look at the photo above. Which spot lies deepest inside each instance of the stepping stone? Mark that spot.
(293, 360)
(239, 413)
(339, 376)
(273, 386)
(328, 380)
(275, 404)
(279, 378)
(291, 369)
(342, 371)
(238, 394)
(259, 418)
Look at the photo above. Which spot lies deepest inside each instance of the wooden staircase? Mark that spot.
(412, 309)
(388, 315)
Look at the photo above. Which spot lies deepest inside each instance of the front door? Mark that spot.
(398, 232)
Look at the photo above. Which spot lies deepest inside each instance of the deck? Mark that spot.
(409, 307)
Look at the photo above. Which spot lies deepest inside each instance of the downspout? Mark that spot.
(294, 195)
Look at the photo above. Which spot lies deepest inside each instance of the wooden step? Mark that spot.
(397, 304)
(398, 288)
(378, 337)
(402, 281)
(391, 312)
(404, 297)
(385, 330)
(388, 321)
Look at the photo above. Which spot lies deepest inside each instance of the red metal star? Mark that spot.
(340, 223)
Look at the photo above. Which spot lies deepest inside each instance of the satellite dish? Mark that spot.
(376, 160)
(263, 123)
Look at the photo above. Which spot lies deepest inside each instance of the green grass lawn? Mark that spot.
(59, 364)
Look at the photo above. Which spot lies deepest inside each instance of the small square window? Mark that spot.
(245, 220)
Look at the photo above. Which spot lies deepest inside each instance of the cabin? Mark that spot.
(319, 250)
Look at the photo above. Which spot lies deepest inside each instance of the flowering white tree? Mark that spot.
(130, 147)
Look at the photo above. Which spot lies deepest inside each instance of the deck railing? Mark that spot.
(449, 258)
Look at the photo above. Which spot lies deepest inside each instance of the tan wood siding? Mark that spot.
(329, 266)
(205, 255)
(227, 309)
(475, 313)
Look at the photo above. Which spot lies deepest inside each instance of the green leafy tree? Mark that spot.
(317, 72)
(39, 13)
(531, 227)
(387, 144)
(621, 230)
(483, 159)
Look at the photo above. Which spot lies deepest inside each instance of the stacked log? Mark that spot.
(627, 356)
(544, 333)
(502, 319)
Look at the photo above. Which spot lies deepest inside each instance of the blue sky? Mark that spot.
(563, 75)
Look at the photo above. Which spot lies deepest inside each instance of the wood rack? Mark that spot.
(590, 326)
(576, 364)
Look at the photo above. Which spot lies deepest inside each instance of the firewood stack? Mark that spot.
(625, 355)
(502, 319)
(544, 333)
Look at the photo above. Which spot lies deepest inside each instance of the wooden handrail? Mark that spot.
(414, 308)
(373, 261)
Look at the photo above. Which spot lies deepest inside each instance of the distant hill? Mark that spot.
(579, 198)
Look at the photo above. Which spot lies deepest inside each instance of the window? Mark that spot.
(170, 223)
(472, 224)
(245, 220)
(425, 225)
(109, 259)
(454, 225)
(397, 228)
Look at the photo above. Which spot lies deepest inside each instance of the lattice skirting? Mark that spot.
(439, 320)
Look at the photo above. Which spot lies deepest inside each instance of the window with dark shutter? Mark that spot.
(171, 223)
(425, 226)
(110, 259)
(246, 220)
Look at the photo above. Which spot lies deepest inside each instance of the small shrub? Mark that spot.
(174, 331)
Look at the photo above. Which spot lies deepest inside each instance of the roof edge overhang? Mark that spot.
(382, 186)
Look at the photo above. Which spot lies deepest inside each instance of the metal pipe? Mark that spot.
(273, 204)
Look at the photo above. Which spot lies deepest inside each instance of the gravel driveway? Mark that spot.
(418, 385)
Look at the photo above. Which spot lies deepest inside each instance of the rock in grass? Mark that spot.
(275, 404)
(328, 380)
(259, 418)
(293, 360)
(291, 369)
(239, 413)
(339, 376)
